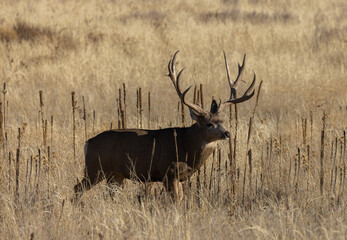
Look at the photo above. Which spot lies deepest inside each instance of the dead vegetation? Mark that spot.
(282, 175)
(253, 17)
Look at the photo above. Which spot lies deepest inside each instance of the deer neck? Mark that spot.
(198, 149)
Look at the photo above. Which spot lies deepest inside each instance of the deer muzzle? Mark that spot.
(226, 134)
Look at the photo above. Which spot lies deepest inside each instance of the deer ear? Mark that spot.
(214, 106)
(200, 118)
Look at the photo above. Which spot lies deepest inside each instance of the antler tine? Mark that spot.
(227, 69)
(233, 85)
(241, 68)
(176, 82)
(172, 74)
(173, 60)
(245, 96)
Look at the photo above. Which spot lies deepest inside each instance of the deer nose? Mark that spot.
(226, 134)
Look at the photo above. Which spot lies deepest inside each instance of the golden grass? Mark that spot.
(93, 47)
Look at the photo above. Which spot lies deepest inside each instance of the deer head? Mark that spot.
(209, 123)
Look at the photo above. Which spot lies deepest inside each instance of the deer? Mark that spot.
(169, 155)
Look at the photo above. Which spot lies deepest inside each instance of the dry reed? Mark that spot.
(125, 107)
(149, 110)
(284, 146)
(84, 119)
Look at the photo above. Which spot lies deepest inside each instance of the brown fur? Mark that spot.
(118, 154)
(178, 153)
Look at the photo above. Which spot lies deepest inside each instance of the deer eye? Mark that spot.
(209, 125)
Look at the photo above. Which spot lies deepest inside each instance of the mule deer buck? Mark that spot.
(168, 155)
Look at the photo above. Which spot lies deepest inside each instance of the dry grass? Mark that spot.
(297, 48)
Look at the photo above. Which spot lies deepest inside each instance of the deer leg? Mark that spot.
(177, 172)
(177, 190)
(87, 183)
(174, 187)
(83, 185)
(116, 179)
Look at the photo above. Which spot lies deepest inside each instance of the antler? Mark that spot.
(176, 82)
(233, 86)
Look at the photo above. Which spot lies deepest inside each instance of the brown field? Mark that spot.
(294, 187)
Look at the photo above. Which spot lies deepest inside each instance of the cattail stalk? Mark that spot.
(19, 137)
(212, 170)
(121, 110)
(176, 148)
(48, 169)
(45, 133)
(342, 169)
(308, 168)
(311, 125)
(17, 165)
(198, 186)
(201, 96)
(85, 119)
(280, 162)
(9, 171)
(232, 167)
(178, 112)
(74, 103)
(250, 178)
(30, 172)
(52, 123)
(149, 110)
(343, 179)
(289, 174)
(244, 183)
(194, 95)
(295, 171)
(26, 179)
(304, 130)
(42, 117)
(247, 156)
(17, 176)
(333, 160)
(118, 115)
(137, 108)
(93, 121)
(322, 158)
(4, 91)
(270, 160)
(248, 140)
(202, 106)
(298, 175)
(2, 142)
(140, 106)
(125, 106)
(235, 139)
(198, 97)
(38, 173)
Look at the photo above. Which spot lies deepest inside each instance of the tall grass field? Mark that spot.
(72, 69)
